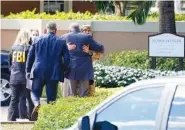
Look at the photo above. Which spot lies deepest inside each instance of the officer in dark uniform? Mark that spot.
(48, 58)
(17, 61)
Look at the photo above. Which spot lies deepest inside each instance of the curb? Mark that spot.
(17, 122)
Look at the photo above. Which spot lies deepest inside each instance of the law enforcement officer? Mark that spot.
(45, 65)
(17, 61)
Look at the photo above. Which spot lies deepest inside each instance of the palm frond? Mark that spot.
(139, 15)
(102, 5)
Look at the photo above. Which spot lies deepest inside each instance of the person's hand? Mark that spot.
(96, 56)
(27, 75)
(71, 46)
(86, 48)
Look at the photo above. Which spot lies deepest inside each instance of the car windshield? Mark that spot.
(136, 111)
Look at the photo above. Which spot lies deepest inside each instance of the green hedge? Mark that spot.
(66, 111)
(78, 16)
(138, 59)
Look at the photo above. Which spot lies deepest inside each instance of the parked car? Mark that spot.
(5, 91)
(156, 104)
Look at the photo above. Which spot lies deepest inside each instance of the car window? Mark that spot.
(176, 120)
(135, 111)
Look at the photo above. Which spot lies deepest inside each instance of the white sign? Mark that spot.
(166, 45)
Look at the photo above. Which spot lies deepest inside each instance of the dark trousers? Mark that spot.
(30, 104)
(37, 88)
(26, 105)
(22, 106)
(18, 93)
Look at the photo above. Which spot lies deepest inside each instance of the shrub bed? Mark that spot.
(115, 76)
(78, 16)
(138, 59)
(65, 111)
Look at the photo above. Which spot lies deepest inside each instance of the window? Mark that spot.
(154, 3)
(52, 6)
(182, 5)
(135, 111)
(176, 119)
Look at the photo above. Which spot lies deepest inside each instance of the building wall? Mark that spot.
(177, 5)
(116, 36)
(8, 38)
(83, 6)
(18, 6)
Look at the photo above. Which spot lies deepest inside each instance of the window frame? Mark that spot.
(166, 94)
(48, 2)
(168, 107)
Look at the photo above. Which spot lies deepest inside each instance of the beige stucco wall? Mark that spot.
(7, 38)
(119, 41)
(113, 41)
(115, 36)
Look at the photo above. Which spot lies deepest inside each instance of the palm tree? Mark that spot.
(166, 15)
(140, 13)
(166, 19)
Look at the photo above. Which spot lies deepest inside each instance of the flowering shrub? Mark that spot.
(115, 76)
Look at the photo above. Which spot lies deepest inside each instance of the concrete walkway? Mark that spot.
(4, 110)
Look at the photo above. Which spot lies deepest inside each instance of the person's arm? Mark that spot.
(30, 59)
(10, 60)
(66, 56)
(70, 45)
(95, 46)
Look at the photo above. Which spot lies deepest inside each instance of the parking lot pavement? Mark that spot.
(3, 113)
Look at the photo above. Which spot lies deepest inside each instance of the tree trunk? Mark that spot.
(118, 8)
(166, 17)
(124, 7)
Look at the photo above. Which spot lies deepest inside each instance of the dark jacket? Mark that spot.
(47, 59)
(80, 67)
(17, 62)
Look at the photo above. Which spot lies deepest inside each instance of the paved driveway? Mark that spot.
(4, 110)
(3, 113)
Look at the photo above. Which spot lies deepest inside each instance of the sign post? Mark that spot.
(166, 45)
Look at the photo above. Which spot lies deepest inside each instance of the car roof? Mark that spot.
(4, 52)
(161, 80)
(158, 80)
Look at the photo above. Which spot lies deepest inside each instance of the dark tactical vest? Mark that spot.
(18, 64)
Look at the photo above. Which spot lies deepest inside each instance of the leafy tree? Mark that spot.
(166, 15)
(139, 15)
(117, 7)
(141, 10)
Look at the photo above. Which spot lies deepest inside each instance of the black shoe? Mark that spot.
(34, 114)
